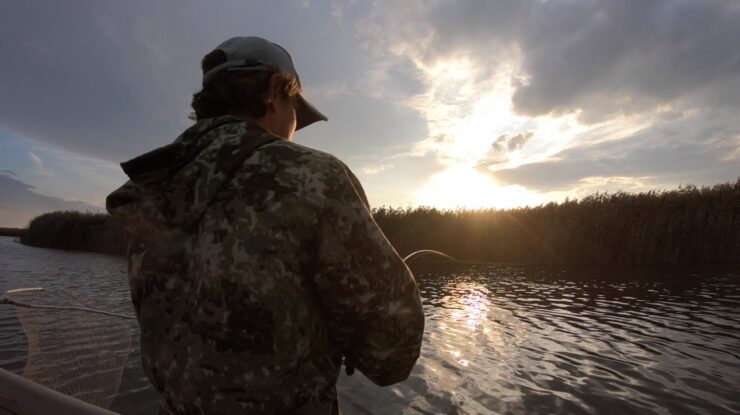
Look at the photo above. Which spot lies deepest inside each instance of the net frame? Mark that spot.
(72, 348)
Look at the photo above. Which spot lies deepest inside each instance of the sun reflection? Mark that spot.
(469, 310)
(474, 304)
(472, 334)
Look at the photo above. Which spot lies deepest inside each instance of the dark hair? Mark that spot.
(237, 92)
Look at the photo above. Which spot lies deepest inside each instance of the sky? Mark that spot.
(445, 103)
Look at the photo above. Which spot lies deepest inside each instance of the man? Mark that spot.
(255, 264)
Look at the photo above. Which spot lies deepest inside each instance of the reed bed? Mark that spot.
(12, 231)
(688, 225)
(83, 231)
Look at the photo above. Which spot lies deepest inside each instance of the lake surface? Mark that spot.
(499, 339)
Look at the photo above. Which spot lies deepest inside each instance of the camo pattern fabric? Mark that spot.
(251, 278)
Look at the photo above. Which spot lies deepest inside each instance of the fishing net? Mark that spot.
(73, 349)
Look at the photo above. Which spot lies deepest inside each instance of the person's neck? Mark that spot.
(260, 122)
(264, 123)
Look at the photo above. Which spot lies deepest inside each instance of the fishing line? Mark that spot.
(6, 300)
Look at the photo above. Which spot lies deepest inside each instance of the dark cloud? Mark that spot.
(601, 57)
(114, 79)
(75, 76)
(627, 56)
(20, 203)
(505, 143)
(517, 142)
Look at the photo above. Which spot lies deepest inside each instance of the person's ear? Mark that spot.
(273, 92)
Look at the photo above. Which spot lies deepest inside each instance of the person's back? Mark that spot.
(254, 270)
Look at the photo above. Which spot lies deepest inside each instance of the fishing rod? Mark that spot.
(426, 252)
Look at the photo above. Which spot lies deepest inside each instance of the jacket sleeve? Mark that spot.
(370, 297)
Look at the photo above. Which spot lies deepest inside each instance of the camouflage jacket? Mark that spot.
(251, 278)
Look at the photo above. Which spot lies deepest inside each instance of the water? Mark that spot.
(499, 339)
(97, 280)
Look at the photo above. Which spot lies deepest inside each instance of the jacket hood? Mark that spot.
(170, 188)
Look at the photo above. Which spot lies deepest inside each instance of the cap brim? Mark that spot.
(306, 114)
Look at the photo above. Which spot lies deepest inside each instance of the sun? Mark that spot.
(465, 187)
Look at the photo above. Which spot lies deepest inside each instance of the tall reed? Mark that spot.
(688, 225)
(96, 232)
(682, 226)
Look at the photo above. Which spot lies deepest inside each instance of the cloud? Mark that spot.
(110, 80)
(550, 94)
(504, 145)
(596, 184)
(20, 203)
(598, 57)
(733, 155)
(517, 142)
(35, 159)
(376, 168)
(608, 57)
(697, 148)
(88, 78)
(501, 86)
(40, 167)
(505, 142)
(114, 79)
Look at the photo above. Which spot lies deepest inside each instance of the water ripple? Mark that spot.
(506, 340)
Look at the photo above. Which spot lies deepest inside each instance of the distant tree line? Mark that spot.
(95, 232)
(688, 225)
(12, 231)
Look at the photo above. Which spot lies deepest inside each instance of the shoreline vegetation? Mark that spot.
(17, 232)
(688, 225)
(79, 231)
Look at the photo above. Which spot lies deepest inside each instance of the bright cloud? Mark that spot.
(508, 85)
(376, 168)
(40, 167)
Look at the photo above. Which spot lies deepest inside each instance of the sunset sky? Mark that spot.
(445, 103)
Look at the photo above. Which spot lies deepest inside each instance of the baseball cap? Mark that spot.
(252, 53)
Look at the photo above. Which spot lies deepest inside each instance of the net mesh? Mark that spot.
(79, 353)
